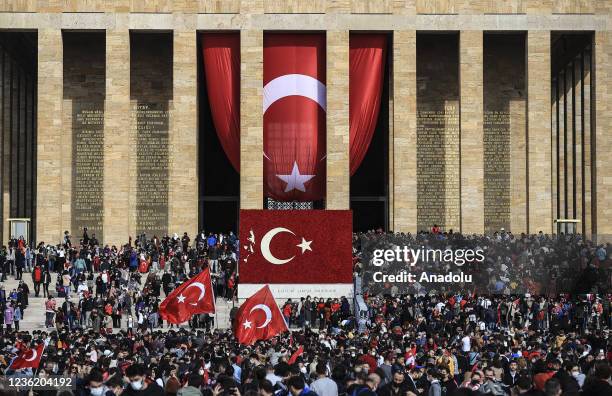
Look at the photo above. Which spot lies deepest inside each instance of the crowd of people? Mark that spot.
(104, 287)
(103, 328)
(511, 264)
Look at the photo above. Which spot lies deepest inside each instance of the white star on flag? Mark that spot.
(304, 245)
(247, 324)
(181, 298)
(295, 181)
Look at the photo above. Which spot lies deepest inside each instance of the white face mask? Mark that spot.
(303, 370)
(575, 374)
(97, 391)
(136, 385)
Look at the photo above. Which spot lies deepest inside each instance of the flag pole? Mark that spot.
(37, 368)
(34, 376)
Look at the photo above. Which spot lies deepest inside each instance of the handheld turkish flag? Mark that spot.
(192, 297)
(259, 318)
(296, 354)
(29, 358)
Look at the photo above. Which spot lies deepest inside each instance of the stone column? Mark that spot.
(183, 166)
(554, 139)
(49, 124)
(518, 188)
(7, 65)
(251, 119)
(603, 144)
(577, 88)
(472, 150)
(538, 134)
(117, 139)
(338, 171)
(569, 140)
(403, 142)
(586, 81)
(561, 147)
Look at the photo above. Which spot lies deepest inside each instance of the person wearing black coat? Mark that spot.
(511, 374)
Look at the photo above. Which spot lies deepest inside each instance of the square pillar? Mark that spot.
(587, 141)
(183, 166)
(472, 134)
(49, 133)
(538, 133)
(338, 167)
(251, 119)
(118, 140)
(603, 144)
(403, 140)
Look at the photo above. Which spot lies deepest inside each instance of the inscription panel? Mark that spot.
(496, 169)
(151, 173)
(438, 182)
(88, 167)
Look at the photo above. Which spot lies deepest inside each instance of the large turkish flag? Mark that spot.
(294, 116)
(296, 246)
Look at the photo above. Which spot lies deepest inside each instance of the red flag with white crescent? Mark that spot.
(192, 297)
(296, 246)
(29, 358)
(259, 318)
(294, 110)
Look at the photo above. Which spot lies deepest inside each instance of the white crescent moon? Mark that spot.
(200, 286)
(34, 356)
(265, 246)
(294, 85)
(266, 310)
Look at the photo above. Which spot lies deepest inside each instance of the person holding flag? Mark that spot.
(30, 358)
(192, 297)
(259, 318)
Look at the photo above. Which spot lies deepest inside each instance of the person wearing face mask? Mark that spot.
(577, 375)
(398, 385)
(569, 384)
(95, 382)
(137, 384)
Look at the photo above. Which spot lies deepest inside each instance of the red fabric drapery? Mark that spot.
(294, 117)
(221, 55)
(366, 70)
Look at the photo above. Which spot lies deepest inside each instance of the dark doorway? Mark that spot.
(18, 97)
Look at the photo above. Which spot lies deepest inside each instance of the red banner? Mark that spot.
(221, 56)
(296, 246)
(294, 116)
(366, 75)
